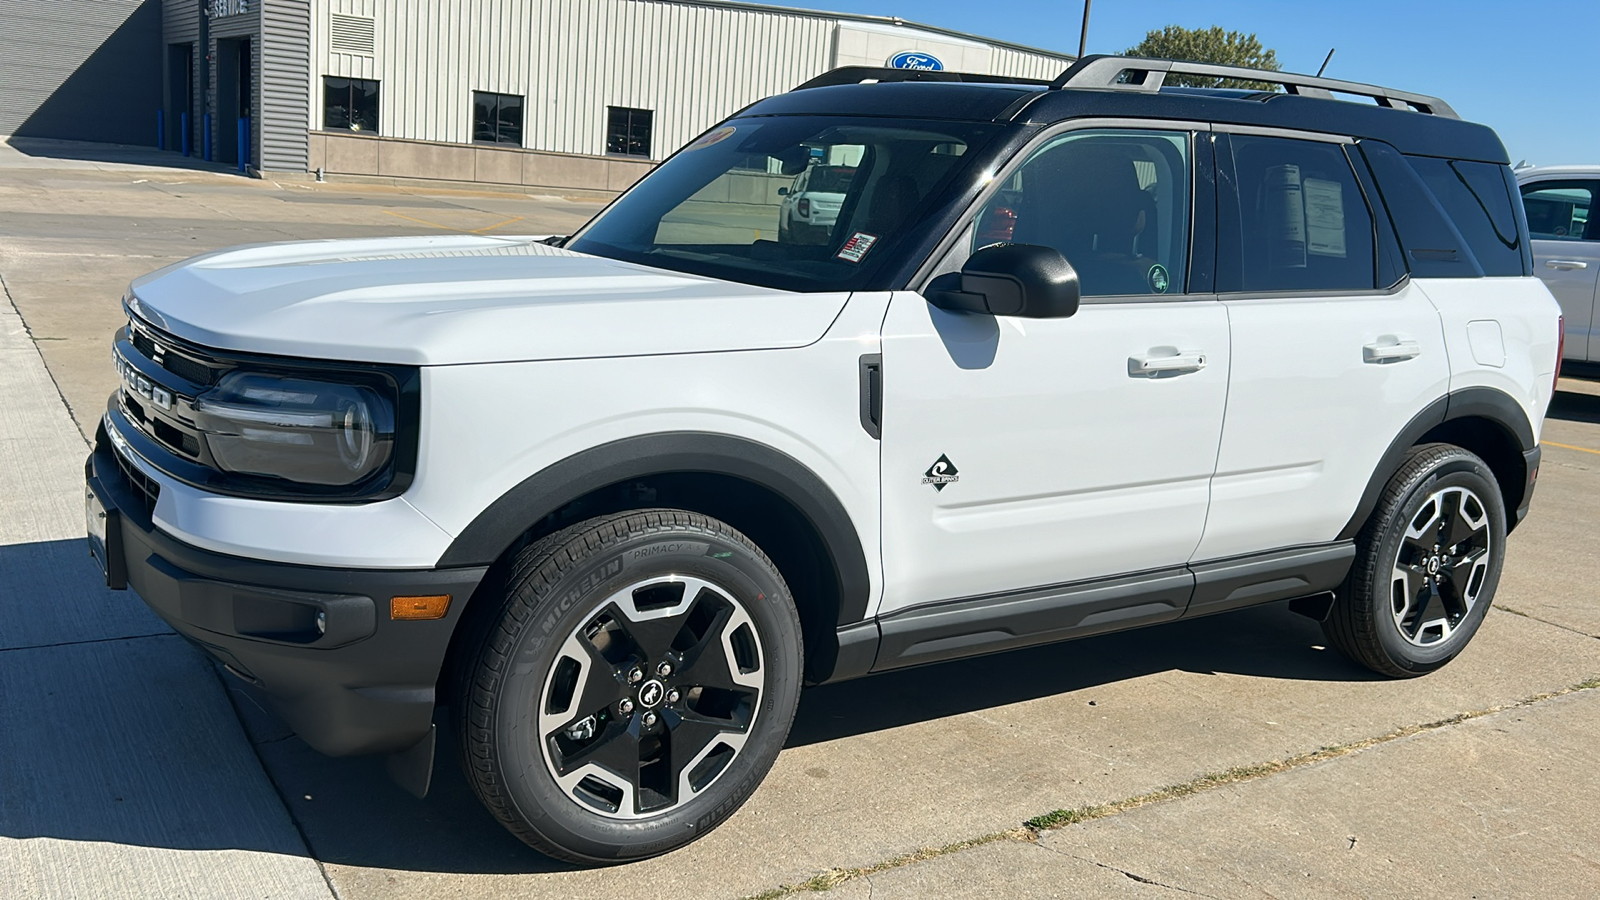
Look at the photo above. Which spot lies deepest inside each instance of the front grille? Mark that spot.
(174, 361)
(147, 489)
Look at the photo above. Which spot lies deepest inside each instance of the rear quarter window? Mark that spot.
(1475, 196)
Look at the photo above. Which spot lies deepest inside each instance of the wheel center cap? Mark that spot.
(1433, 565)
(651, 692)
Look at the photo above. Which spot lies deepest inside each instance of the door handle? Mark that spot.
(1566, 264)
(1165, 361)
(1390, 349)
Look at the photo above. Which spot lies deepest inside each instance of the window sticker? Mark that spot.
(1159, 281)
(1324, 217)
(1286, 218)
(714, 137)
(857, 247)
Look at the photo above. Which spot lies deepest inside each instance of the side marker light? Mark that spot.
(433, 607)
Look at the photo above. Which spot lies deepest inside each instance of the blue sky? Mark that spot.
(1527, 69)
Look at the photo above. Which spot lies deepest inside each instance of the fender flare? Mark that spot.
(498, 526)
(1481, 402)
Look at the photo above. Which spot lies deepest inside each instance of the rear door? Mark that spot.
(1566, 253)
(1328, 366)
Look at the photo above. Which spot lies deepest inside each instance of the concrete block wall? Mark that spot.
(374, 156)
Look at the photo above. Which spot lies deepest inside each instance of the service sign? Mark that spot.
(912, 59)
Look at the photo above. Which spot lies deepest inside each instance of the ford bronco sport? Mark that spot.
(1070, 358)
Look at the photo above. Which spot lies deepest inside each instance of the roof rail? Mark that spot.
(1128, 73)
(867, 74)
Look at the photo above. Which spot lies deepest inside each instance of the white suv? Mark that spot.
(613, 498)
(1566, 247)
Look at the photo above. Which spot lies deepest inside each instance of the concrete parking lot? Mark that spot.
(1233, 756)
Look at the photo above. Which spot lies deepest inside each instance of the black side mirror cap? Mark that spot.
(1025, 280)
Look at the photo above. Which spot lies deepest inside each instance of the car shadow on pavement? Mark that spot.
(1575, 407)
(352, 814)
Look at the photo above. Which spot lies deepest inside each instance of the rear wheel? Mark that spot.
(1427, 564)
(637, 686)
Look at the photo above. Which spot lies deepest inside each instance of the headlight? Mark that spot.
(299, 429)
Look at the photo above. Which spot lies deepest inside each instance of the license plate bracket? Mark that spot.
(104, 528)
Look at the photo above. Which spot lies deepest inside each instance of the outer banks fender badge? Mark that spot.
(941, 473)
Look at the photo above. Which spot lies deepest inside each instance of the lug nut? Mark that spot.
(635, 675)
(625, 707)
(673, 695)
(650, 719)
(664, 669)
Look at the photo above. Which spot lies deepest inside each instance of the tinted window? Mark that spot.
(628, 131)
(1304, 222)
(1115, 203)
(1474, 195)
(497, 118)
(1559, 210)
(350, 104)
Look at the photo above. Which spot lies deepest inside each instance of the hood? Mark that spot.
(452, 300)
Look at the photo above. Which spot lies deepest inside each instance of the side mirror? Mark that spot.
(783, 192)
(1011, 280)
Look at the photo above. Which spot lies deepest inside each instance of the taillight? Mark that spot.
(804, 207)
(999, 226)
(1561, 350)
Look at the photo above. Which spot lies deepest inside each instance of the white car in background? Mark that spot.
(811, 205)
(1566, 247)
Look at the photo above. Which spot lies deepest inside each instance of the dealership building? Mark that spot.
(572, 94)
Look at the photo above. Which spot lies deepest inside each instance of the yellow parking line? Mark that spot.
(1570, 447)
(501, 225)
(421, 221)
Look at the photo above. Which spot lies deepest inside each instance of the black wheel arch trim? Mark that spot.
(642, 456)
(1474, 402)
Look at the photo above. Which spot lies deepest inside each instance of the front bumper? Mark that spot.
(317, 641)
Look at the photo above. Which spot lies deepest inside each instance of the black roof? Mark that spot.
(908, 99)
(1305, 107)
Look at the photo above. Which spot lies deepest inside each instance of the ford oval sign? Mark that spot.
(911, 59)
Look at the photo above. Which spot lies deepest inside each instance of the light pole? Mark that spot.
(1083, 36)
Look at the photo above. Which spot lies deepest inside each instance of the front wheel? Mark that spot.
(637, 685)
(1427, 564)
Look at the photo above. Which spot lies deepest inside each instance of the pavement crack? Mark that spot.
(288, 808)
(5, 291)
(1238, 774)
(1033, 829)
(1517, 612)
(1134, 876)
(110, 640)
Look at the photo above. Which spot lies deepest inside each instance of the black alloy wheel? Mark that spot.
(635, 678)
(1427, 564)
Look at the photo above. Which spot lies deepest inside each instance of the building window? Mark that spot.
(497, 118)
(628, 131)
(349, 104)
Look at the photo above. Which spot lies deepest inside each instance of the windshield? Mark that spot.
(800, 203)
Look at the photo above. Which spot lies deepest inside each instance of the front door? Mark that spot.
(1022, 453)
(1566, 254)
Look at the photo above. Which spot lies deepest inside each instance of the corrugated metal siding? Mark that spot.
(80, 69)
(180, 21)
(285, 68)
(571, 59)
(1017, 64)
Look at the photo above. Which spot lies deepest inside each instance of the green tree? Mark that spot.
(1210, 45)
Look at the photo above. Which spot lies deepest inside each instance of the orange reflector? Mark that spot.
(419, 607)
